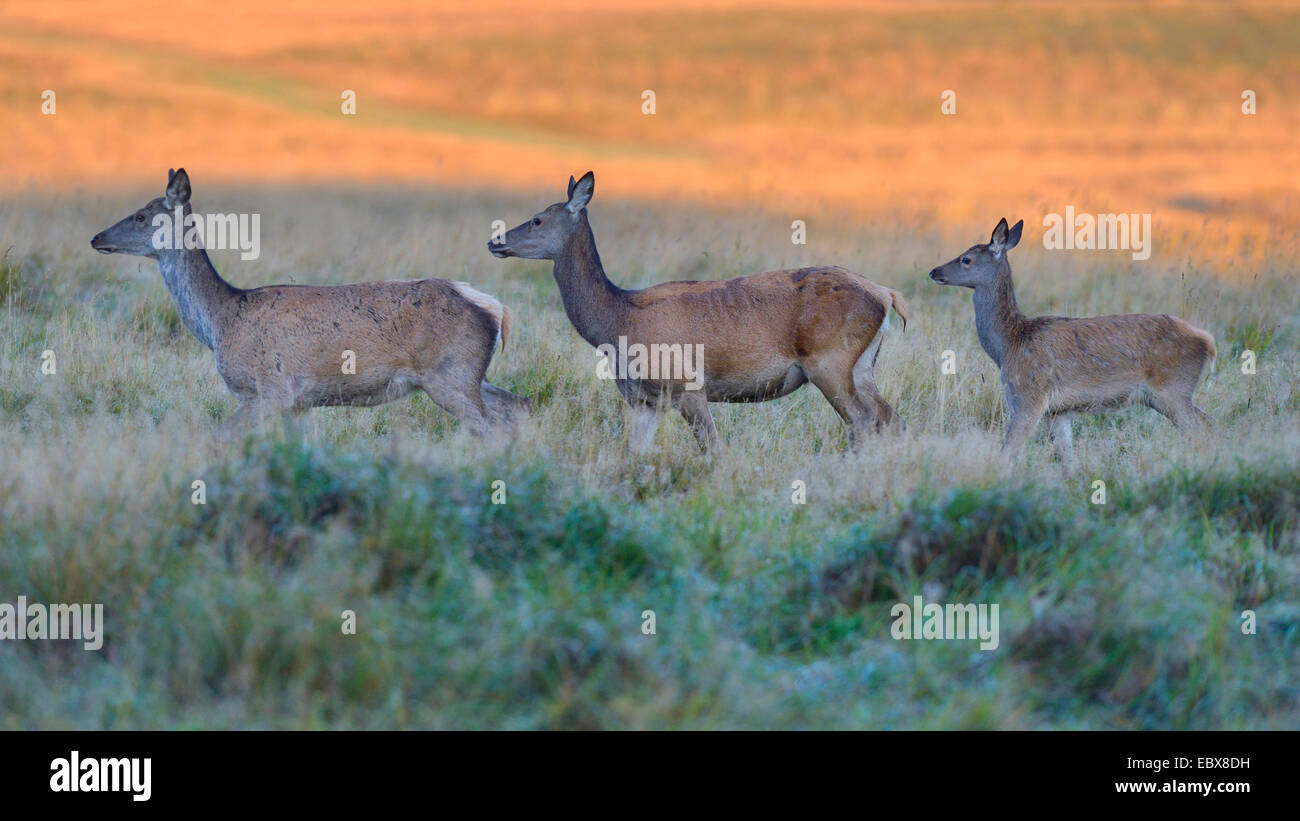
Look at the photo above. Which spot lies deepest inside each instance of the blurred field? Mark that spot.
(1111, 107)
(769, 614)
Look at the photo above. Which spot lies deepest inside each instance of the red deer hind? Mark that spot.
(1056, 365)
(761, 336)
(281, 348)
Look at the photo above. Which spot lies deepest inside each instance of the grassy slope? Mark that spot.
(528, 614)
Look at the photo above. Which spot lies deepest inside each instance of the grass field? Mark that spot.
(528, 614)
(769, 614)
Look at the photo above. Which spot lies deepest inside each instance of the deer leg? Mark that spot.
(695, 410)
(1203, 421)
(243, 420)
(1024, 418)
(838, 388)
(251, 412)
(644, 422)
(1180, 410)
(1192, 418)
(1163, 406)
(505, 398)
(868, 395)
(291, 416)
(462, 399)
(1063, 440)
(504, 407)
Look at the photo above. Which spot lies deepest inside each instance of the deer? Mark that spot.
(761, 336)
(284, 348)
(1056, 366)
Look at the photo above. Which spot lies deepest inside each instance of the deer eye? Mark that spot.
(965, 260)
(537, 220)
(139, 217)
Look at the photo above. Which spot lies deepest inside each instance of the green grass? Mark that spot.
(528, 614)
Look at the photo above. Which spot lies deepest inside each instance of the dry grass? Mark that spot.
(770, 614)
(528, 616)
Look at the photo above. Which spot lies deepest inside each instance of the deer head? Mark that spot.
(135, 234)
(981, 264)
(548, 232)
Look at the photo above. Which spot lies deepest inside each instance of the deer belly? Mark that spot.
(1099, 396)
(353, 389)
(372, 390)
(286, 375)
(758, 387)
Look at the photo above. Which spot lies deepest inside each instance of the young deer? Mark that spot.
(1056, 365)
(761, 336)
(280, 348)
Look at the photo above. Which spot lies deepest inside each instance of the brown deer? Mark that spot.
(281, 348)
(760, 336)
(1057, 365)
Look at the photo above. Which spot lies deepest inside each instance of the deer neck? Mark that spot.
(997, 316)
(594, 305)
(200, 294)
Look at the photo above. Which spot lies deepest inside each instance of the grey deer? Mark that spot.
(1055, 365)
(281, 348)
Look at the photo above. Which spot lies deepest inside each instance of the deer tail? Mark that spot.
(507, 321)
(899, 304)
(499, 312)
(1209, 343)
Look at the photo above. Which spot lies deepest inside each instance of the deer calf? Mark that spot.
(760, 336)
(1055, 365)
(280, 348)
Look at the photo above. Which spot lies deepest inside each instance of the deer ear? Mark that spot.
(572, 182)
(581, 193)
(171, 172)
(998, 241)
(178, 189)
(1013, 238)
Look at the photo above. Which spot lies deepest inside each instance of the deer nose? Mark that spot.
(96, 238)
(934, 274)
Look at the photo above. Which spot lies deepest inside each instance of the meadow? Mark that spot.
(528, 613)
(768, 613)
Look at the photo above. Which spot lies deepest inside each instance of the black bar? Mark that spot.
(333, 770)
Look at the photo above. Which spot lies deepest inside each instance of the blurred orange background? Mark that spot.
(1109, 107)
